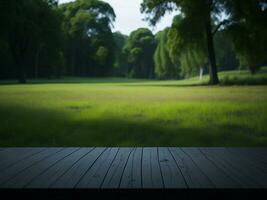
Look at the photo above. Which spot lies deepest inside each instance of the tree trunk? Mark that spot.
(19, 50)
(201, 73)
(22, 73)
(212, 57)
(37, 58)
(37, 62)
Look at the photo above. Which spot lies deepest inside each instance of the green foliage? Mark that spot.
(139, 49)
(193, 27)
(164, 67)
(43, 39)
(226, 56)
(191, 55)
(249, 34)
(191, 63)
(89, 40)
(120, 64)
(102, 55)
(28, 26)
(246, 21)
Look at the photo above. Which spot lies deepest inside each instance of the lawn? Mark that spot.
(122, 112)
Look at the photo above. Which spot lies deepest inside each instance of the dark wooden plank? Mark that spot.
(71, 178)
(133, 168)
(114, 175)
(19, 167)
(132, 176)
(256, 158)
(218, 156)
(96, 174)
(151, 173)
(172, 176)
(260, 154)
(6, 152)
(45, 179)
(193, 176)
(216, 175)
(244, 166)
(25, 177)
(12, 156)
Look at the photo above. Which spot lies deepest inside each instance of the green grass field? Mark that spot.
(121, 112)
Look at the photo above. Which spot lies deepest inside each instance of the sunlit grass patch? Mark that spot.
(132, 114)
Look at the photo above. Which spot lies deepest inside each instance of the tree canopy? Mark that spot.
(30, 27)
(89, 40)
(165, 67)
(120, 64)
(201, 20)
(139, 49)
(248, 31)
(44, 39)
(191, 53)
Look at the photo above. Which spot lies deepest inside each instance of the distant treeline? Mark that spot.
(41, 39)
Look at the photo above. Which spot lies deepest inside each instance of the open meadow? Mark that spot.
(127, 112)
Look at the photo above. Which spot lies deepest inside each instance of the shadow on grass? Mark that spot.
(22, 127)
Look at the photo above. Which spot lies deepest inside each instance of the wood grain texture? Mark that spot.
(133, 168)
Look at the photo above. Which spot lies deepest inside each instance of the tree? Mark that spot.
(87, 26)
(226, 55)
(28, 25)
(7, 66)
(197, 18)
(139, 49)
(48, 57)
(248, 31)
(190, 52)
(102, 55)
(202, 19)
(164, 67)
(120, 65)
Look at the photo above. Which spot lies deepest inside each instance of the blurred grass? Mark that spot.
(121, 112)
